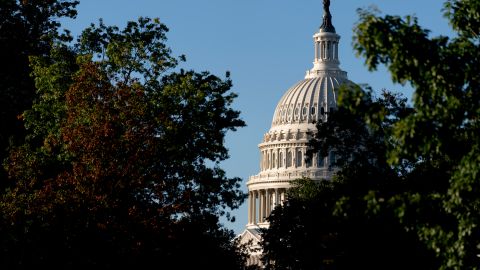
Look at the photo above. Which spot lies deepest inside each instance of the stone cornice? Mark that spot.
(288, 176)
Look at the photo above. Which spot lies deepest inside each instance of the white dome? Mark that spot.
(306, 103)
(283, 150)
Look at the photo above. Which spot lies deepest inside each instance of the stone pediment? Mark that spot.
(250, 236)
(250, 239)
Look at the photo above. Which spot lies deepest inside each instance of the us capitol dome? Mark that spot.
(283, 148)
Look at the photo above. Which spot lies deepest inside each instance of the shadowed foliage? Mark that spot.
(333, 224)
(27, 28)
(120, 167)
(408, 185)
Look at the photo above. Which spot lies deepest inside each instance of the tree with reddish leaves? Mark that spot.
(27, 29)
(121, 167)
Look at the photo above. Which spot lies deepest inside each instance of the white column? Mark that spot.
(316, 51)
(250, 209)
(264, 209)
(323, 50)
(276, 196)
(319, 51)
(254, 220)
(267, 206)
(260, 208)
(268, 160)
(295, 157)
(265, 203)
(254, 207)
(259, 216)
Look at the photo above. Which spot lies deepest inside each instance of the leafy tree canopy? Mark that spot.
(121, 162)
(441, 137)
(405, 174)
(27, 28)
(337, 224)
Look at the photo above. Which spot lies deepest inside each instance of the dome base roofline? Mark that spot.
(322, 70)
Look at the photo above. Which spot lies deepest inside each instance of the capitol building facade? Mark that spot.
(283, 148)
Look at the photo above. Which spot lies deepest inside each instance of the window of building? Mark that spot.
(289, 159)
(280, 159)
(299, 158)
(308, 162)
(320, 161)
(332, 158)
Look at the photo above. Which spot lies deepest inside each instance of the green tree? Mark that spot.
(121, 165)
(442, 136)
(334, 225)
(414, 171)
(27, 28)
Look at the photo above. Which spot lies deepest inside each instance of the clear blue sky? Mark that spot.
(265, 44)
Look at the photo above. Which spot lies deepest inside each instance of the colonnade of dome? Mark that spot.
(283, 160)
(292, 157)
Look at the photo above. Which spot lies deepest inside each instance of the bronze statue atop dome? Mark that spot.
(327, 25)
(326, 6)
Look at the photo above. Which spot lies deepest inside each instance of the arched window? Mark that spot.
(289, 159)
(332, 158)
(320, 160)
(308, 161)
(274, 161)
(299, 158)
(280, 159)
(322, 111)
